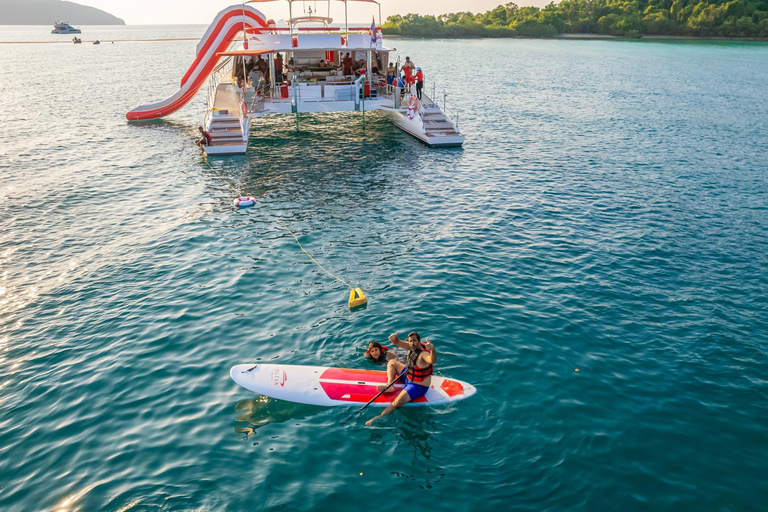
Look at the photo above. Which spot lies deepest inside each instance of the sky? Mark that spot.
(166, 12)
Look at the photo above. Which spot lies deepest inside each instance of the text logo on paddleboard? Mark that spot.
(277, 378)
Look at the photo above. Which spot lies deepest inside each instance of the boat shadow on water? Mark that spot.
(262, 410)
(328, 162)
(167, 125)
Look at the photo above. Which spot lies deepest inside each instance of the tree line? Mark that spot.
(627, 18)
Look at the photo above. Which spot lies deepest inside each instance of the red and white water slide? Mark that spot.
(225, 27)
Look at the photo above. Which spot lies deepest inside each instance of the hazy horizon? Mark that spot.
(200, 12)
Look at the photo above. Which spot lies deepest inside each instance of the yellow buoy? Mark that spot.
(357, 298)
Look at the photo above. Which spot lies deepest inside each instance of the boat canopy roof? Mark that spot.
(238, 53)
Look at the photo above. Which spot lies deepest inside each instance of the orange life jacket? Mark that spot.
(415, 373)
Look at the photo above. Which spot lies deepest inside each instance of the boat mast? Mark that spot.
(290, 18)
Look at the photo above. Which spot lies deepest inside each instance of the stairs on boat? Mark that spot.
(437, 124)
(225, 131)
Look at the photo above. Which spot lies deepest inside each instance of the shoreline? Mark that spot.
(600, 37)
(587, 37)
(661, 38)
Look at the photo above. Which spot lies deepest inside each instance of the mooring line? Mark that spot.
(239, 194)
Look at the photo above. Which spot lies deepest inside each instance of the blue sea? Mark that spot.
(594, 259)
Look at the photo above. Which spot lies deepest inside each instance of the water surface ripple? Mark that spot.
(608, 213)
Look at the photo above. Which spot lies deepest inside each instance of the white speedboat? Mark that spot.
(62, 27)
(318, 68)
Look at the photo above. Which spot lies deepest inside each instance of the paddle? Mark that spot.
(375, 397)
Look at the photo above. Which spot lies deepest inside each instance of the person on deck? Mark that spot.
(257, 77)
(419, 82)
(378, 353)
(416, 374)
(407, 73)
(278, 68)
(390, 74)
(409, 64)
(347, 62)
(262, 65)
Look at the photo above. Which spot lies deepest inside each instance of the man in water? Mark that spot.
(416, 374)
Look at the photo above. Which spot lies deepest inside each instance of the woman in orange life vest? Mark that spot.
(407, 72)
(379, 354)
(416, 374)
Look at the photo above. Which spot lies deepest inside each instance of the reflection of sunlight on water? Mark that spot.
(69, 503)
(128, 506)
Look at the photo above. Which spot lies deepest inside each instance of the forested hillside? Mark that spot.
(46, 12)
(629, 18)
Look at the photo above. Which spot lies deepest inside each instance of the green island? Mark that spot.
(624, 18)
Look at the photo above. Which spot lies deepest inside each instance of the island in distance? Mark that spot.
(46, 12)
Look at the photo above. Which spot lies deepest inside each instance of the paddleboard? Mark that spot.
(318, 385)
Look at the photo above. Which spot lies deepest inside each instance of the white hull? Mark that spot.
(62, 27)
(318, 385)
(416, 128)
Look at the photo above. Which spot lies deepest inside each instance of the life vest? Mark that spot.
(415, 373)
(382, 357)
(411, 108)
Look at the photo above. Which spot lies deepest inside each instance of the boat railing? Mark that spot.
(222, 70)
(385, 90)
(448, 108)
(257, 102)
(296, 94)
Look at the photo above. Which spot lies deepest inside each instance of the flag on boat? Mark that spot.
(372, 31)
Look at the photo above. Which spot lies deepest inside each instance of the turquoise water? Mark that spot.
(608, 213)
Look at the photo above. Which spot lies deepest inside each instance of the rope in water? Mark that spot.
(225, 180)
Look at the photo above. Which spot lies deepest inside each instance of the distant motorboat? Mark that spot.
(97, 42)
(77, 40)
(62, 27)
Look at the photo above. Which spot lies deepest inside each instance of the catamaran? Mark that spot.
(253, 68)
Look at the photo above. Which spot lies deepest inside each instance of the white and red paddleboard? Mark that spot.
(319, 385)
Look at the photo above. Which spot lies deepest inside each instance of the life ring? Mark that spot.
(412, 108)
(242, 202)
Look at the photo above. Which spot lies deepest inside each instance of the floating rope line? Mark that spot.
(356, 296)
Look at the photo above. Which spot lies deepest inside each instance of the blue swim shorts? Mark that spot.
(414, 390)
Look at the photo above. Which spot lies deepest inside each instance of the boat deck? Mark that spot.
(226, 99)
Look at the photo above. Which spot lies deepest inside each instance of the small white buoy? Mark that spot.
(242, 202)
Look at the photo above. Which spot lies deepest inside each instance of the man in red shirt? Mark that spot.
(347, 62)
